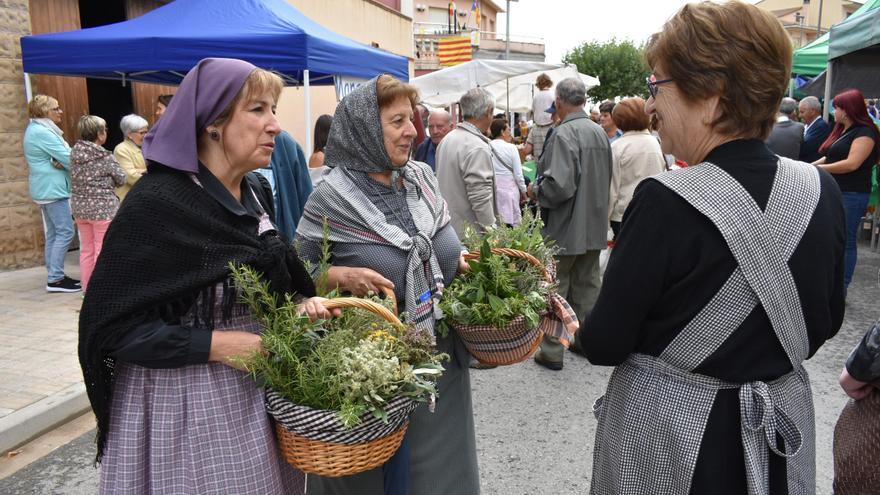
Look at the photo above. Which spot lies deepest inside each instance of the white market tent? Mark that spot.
(522, 88)
(446, 86)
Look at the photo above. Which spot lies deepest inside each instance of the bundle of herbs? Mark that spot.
(353, 364)
(499, 288)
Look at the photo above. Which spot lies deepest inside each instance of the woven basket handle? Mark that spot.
(356, 302)
(389, 294)
(514, 253)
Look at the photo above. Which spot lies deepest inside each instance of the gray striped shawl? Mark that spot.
(353, 218)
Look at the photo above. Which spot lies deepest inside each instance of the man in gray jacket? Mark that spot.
(787, 135)
(572, 187)
(464, 165)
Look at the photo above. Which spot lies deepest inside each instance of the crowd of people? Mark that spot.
(725, 275)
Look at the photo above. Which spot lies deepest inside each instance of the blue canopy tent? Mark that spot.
(162, 45)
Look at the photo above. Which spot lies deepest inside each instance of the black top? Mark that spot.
(863, 363)
(669, 261)
(859, 180)
(164, 344)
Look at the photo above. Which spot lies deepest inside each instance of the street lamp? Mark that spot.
(507, 43)
(799, 19)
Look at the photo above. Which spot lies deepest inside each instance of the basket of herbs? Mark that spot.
(507, 301)
(340, 390)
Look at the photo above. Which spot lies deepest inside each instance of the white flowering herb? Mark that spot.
(352, 364)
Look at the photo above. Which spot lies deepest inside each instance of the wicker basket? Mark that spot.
(334, 459)
(508, 345)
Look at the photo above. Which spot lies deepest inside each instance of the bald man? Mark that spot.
(439, 125)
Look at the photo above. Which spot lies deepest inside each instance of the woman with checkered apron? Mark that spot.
(725, 277)
(161, 323)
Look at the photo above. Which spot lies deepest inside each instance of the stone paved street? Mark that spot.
(39, 335)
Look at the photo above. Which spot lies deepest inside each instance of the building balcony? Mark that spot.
(489, 45)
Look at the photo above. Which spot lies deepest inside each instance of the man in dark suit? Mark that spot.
(817, 129)
(787, 135)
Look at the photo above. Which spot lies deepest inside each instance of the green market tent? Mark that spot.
(813, 58)
(854, 55)
(855, 34)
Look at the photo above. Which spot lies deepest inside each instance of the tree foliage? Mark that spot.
(619, 65)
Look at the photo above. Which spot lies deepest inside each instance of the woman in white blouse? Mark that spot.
(636, 155)
(510, 187)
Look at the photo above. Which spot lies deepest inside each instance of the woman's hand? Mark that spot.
(230, 344)
(358, 281)
(314, 307)
(463, 265)
(854, 388)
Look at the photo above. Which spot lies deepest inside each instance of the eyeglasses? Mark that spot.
(653, 83)
(56, 109)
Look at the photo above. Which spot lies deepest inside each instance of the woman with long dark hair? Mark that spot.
(316, 161)
(849, 153)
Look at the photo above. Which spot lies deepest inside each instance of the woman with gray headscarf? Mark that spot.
(389, 228)
(161, 323)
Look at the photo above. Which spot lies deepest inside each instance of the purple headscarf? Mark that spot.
(205, 92)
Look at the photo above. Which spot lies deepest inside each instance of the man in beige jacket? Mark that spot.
(464, 165)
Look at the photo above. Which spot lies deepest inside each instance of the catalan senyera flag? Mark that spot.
(454, 50)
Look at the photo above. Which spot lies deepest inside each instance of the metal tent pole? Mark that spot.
(28, 91)
(827, 106)
(308, 112)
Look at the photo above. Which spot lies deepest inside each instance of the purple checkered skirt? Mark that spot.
(200, 429)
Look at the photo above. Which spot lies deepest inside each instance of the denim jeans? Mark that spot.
(854, 205)
(59, 232)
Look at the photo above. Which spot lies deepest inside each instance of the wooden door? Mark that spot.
(49, 16)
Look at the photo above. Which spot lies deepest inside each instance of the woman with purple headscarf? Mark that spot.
(161, 319)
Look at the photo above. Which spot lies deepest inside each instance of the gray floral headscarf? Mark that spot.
(356, 141)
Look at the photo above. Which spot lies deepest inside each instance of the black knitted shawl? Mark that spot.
(169, 243)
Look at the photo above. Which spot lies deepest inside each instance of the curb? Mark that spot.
(41, 416)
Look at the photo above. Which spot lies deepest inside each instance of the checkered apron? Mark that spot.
(655, 410)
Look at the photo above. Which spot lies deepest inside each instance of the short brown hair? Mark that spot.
(743, 57)
(629, 115)
(543, 82)
(607, 106)
(389, 89)
(259, 81)
(89, 126)
(40, 105)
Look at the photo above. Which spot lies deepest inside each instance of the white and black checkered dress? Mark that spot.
(655, 410)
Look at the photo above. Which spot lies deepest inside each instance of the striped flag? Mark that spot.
(454, 50)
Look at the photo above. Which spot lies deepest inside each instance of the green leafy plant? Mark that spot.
(498, 288)
(353, 364)
(619, 64)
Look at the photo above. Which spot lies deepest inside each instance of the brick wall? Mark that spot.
(21, 231)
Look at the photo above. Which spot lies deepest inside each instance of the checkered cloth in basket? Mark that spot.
(324, 425)
(517, 341)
